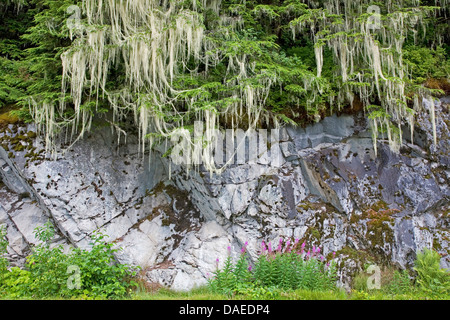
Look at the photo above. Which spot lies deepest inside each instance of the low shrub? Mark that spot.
(50, 271)
(15, 283)
(100, 274)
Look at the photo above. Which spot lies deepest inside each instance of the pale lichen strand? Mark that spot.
(358, 42)
(156, 40)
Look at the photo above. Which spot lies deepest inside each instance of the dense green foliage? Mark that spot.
(283, 273)
(430, 277)
(292, 273)
(54, 271)
(252, 63)
(275, 271)
(427, 280)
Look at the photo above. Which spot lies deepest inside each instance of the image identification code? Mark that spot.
(227, 309)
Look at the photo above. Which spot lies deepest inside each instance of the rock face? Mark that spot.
(328, 189)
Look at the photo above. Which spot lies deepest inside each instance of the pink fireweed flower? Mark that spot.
(322, 258)
(288, 248)
(318, 250)
(334, 254)
(263, 245)
(249, 268)
(296, 240)
(303, 247)
(280, 242)
(270, 247)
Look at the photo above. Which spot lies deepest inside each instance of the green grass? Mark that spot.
(302, 294)
(204, 293)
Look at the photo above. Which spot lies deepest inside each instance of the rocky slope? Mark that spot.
(329, 189)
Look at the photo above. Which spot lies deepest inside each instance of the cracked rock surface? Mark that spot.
(329, 189)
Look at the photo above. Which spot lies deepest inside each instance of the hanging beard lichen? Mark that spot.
(166, 64)
(156, 43)
(368, 51)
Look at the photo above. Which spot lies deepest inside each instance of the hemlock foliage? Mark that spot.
(231, 63)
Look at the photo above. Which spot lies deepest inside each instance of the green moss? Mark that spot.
(305, 206)
(379, 205)
(380, 231)
(315, 233)
(349, 253)
(436, 244)
(19, 147)
(165, 222)
(7, 118)
(5, 146)
(31, 134)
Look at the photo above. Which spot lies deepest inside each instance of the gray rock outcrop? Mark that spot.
(329, 189)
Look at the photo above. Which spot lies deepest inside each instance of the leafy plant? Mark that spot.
(233, 277)
(281, 269)
(48, 270)
(426, 62)
(15, 283)
(47, 265)
(100, 274)
(359, 282)
(400, 283)
(430, 277)
(3, 250)
(294, 269)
